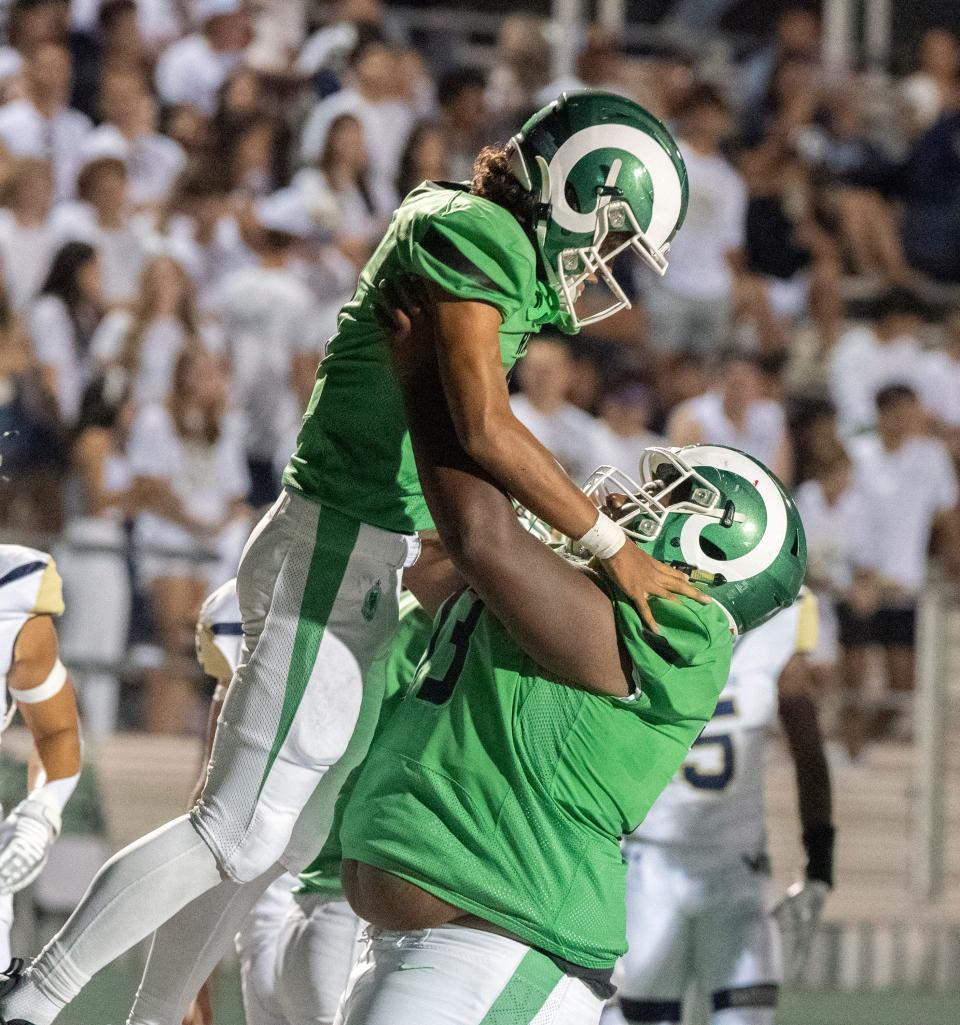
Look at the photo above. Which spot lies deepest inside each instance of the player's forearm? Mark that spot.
(529, 472)
(798, 714)
(58, 754)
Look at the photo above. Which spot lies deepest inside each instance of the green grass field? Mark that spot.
(107, 999)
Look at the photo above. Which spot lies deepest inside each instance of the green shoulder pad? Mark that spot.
(681, 671)
(475, 250)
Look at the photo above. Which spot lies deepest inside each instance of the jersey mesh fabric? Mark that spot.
(353, 452)
(506, 794)
(398, 668)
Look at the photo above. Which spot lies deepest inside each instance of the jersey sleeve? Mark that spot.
(680, 672)
(473, 253)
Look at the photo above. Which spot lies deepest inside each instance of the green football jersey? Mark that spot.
(397, 670)
(353, 451)
(506, 793)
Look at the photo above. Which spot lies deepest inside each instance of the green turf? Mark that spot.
(107, 999)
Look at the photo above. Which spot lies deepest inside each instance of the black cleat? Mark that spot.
(9, 980)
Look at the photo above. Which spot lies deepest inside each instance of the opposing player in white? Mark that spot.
(32, 673)
(698, 868)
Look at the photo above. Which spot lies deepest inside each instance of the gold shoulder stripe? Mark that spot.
(50, 596)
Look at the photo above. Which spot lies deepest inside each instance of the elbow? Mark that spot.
(479, 526)
(483, 439)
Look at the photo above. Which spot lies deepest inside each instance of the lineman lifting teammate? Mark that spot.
(589, 178)
(32, 673)
(482, 840)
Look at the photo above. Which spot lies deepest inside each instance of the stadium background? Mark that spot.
(205, 178)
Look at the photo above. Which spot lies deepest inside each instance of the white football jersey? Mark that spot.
(220, 633)
(29, 586)
(714, 805)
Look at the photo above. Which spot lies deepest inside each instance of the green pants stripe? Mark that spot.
(526, 992)
(328, 564)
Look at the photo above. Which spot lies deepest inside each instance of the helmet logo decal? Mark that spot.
(667, 190)
(768, 546)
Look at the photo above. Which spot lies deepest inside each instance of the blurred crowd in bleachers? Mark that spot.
(189, 187)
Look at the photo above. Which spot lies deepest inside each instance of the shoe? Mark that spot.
(10, 979)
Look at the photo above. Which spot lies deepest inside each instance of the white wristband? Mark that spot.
(50, 687)
(604, 539)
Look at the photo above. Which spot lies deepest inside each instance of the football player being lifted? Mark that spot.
(591, 178)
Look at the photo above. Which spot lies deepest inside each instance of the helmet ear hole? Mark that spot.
(712, 551)
(573, 200)
(795, 547)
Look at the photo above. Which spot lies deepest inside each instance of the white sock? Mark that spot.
(134, 893)
(189, 946)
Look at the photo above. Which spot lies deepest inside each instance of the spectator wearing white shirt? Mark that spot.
(737, 414)
(146, 340)
(27, 242)
(371, 95)
(624, 431)
(192, 69)
(461, 95)
(200, 220)
(274, 332)
(942, 393)
(93, 560)
(545, 376)
(61, 322)
(153, 161)
(190, 540)
(42, 124)
(829, 507)
(102, 216)
(907, 489)
(692, 307)
(869, 357)
(340, 181)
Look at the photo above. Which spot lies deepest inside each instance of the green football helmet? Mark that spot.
(720, 515)
(600, 166)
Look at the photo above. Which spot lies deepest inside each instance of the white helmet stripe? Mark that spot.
(667, 191)
(767, 548)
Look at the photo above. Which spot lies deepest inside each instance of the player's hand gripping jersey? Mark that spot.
(353, 453)
(506, 793)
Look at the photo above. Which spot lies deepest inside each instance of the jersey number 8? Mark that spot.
(452, 652)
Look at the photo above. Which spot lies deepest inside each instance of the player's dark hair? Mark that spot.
(494, 180)
(894, 394)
